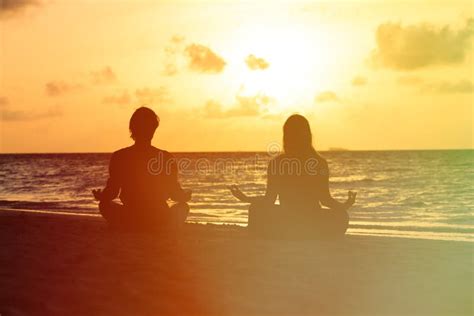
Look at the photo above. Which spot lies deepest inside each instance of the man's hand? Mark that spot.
(97, 194)
(351, 197)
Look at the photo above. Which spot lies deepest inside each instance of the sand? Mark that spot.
(74, 265)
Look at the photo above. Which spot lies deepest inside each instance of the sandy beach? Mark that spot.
(55, 264)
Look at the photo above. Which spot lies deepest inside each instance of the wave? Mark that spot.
(414, 235)
(356, 180)
(414, 226)
(58, 205)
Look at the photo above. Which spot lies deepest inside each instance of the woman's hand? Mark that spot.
(97, 194)
(238, 194)
(351, 197)
(187, 193)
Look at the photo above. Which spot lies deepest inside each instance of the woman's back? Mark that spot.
(300, 179)
(299, 182)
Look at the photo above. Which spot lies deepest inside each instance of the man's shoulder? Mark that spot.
(122, 151)
(162, 152)
(132, 148)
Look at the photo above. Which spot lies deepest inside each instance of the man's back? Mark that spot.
(145, 176)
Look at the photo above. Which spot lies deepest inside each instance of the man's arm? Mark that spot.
(112, 187)
(177, 193)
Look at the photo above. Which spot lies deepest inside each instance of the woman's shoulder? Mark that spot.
(314, 157)
(313, 164)
(277, 158)
(322, 161)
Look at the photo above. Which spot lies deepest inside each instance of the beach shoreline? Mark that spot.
(355, 227)
(56, 264)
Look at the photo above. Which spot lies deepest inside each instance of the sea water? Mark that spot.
(412, 194)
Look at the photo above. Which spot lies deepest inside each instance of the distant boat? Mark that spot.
(338, 149)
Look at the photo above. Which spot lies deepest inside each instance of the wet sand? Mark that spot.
(53, 264)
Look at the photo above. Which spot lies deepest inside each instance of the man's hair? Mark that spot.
(143, 123)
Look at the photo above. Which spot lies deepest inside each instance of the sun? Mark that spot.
(296, 64)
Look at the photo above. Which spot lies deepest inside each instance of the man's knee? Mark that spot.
(109, 208)
(182, 208)
(104, 205)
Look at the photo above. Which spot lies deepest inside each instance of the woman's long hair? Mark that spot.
(297, 138)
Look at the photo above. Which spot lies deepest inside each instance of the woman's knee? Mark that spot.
(261, 206)
(181, 207)
(255, 209)
(261, 215)
(341, 222)
(182, 211)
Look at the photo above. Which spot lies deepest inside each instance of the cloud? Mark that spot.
(8, 115)
(173, 54)
(416, 46)
(159, 95)
(409, 80)
(177, 39)
(327, 96)
(120, 99)
(170, 70)
(104, 76)
(444, 87)
(244, 106)
(358, 81)
(255, 63)
(202, 59)
(249, 105)
(12, 7)
(56, 88)
(195, 57)
(213, 109)
(3, 102)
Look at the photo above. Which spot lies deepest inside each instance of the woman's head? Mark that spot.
(143, 124)
(297, 139)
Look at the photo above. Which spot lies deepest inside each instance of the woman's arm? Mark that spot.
(326, 197)
(270, 192)
(269, 197)
(328, 201)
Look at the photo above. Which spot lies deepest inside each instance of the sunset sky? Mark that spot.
(224, 75)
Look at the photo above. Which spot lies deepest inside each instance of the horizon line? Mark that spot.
(238, 151)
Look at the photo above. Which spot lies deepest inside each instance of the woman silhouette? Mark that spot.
(300, 179)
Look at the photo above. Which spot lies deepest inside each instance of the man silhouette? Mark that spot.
(144, 177)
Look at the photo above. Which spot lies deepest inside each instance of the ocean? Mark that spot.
(409, 194)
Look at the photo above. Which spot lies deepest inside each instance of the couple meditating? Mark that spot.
(299, 178)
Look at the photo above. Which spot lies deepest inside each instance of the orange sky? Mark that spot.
(223, 76)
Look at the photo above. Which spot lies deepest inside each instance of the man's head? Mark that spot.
(143, 124)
